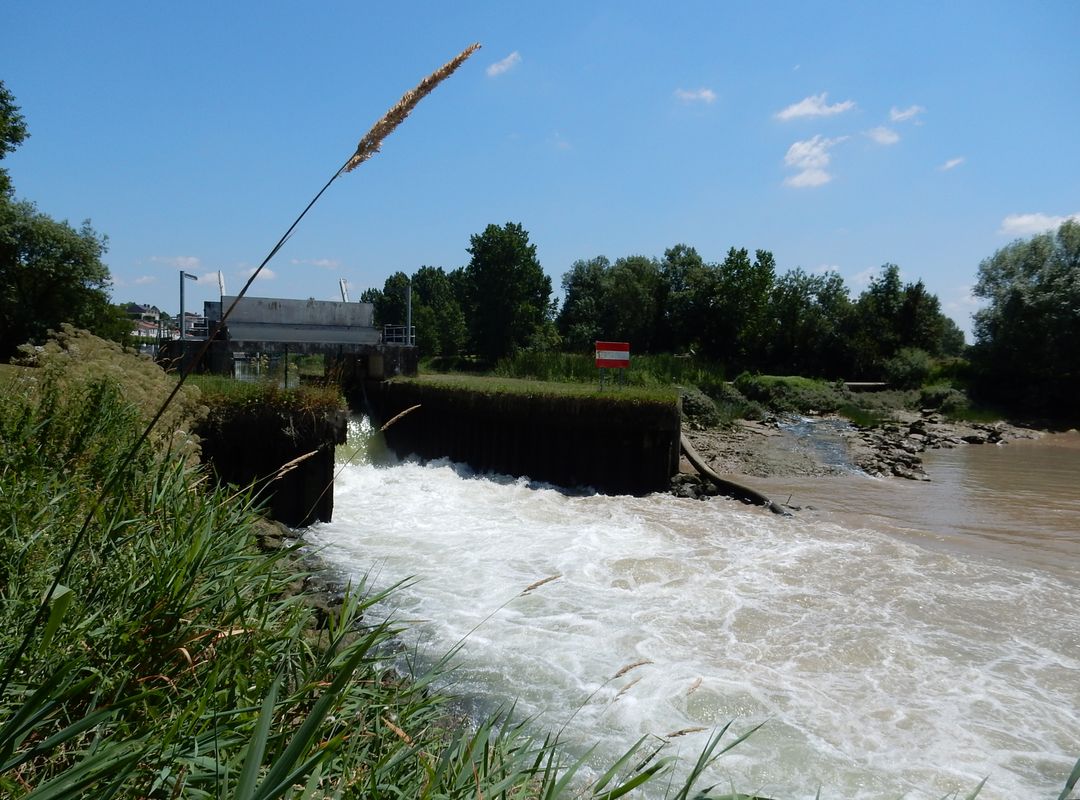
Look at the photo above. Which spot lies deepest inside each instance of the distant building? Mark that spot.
(143, 312)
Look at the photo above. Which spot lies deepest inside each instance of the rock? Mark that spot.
(974, 438)
(911, 474)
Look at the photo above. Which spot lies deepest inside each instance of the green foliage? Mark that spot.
(793, 394)
(943, 396)
(506, 295)
(50, 273)
(741, 314)
(612, 302)
(812, 314)
(631, 394)
(860, 416)
(1027, 352)
(909, 368)
(12, 134)
(699, 409)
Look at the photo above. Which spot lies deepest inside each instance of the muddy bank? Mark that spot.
(823, 446)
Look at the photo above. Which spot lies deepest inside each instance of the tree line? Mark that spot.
(739, 313)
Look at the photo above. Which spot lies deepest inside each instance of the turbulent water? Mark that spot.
(886, 652)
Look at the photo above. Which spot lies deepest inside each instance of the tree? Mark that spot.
(583, 286)
(390, 303)
(1027, 340)
(611, 301)
(508, 296)
(12, 134)
(681, 270)
(50, 273)
(809, 313)
(440, 329)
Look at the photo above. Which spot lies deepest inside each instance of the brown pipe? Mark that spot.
(736, 490)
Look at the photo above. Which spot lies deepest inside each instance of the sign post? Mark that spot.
(611, 355)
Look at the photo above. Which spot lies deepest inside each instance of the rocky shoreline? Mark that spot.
(827, 445)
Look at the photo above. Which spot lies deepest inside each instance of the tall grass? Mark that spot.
(644, 370)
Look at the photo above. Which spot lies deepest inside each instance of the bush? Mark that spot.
(909, 368)
(793, 394)
(698, 408)
(944, 397)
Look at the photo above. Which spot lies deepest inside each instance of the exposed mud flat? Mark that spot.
(823, 446)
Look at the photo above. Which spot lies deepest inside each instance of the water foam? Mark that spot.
(877, 666)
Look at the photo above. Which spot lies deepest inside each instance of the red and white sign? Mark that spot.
(612, 354)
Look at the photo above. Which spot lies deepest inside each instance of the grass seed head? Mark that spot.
(369, 145)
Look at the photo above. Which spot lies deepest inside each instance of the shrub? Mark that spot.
(909, 368)
(792, 394)
(943, 396)
(698, 408)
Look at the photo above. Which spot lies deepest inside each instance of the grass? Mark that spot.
(496, 385)
(217, 391)
(644, 370)
(10, 372)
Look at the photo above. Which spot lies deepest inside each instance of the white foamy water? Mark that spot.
(879, 667)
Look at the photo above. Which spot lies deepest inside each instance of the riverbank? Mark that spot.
(781, 445)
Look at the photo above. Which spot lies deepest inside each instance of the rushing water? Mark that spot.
(902, 639)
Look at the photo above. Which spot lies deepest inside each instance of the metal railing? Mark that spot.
(395, 334)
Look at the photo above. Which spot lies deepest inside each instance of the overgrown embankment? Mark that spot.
(279, 441)
(618, 440)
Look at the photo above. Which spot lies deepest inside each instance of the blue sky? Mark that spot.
(836, 135)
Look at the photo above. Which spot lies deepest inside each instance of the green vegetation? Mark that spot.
(219, 392)
(1027, 351)
(489, 386)
(793, 394)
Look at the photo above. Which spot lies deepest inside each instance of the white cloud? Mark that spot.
(883, 136)
(952, 163)
(701, 95)
(808, 178)
(860, 280)
(810, 157)
(905, 114)
(825, 269)
(267, 274)
(142, 280)
(814, 106)
(507, 64)
(961, 301)
(325, 263)
(178, 262)
(1024, 224)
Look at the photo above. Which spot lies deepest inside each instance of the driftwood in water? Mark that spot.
(736, 490)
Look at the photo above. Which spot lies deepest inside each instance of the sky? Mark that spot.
(836, 135)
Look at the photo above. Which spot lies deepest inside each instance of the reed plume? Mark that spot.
(538, 584)
(629, 667)
(369, 144)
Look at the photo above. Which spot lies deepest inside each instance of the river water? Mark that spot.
(897, 638)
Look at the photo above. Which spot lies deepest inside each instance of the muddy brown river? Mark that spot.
(901, 639)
